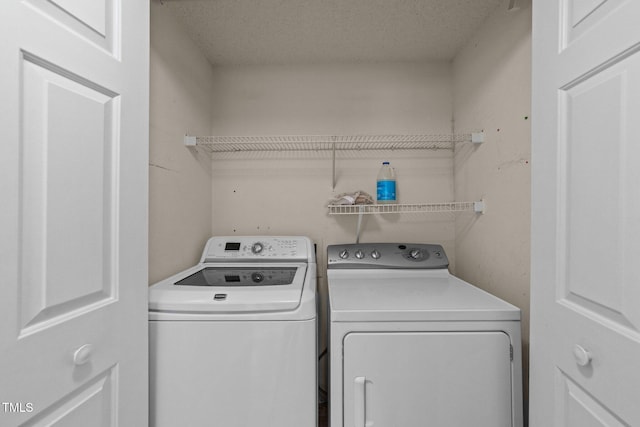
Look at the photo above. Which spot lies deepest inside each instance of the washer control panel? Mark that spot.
(386, 255)
(256, 248)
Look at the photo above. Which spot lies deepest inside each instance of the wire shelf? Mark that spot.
(333, 143)
(447, 207)
(230, 144)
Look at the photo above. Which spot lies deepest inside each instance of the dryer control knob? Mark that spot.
(344, 254)
(375, 254)
(415, 254)
(359, 254)
(257, 248)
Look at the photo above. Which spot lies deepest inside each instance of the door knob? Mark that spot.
(582, 356)
(82, 355)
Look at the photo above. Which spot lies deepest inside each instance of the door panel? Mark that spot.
(94, 401)
(74, 156)
(580, 16)
(92, 14)
(579, 408)
(426, 378)
(585, 336)
(97, 21)
(597, 236)
(68, 195)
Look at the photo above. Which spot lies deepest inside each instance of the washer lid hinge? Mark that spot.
(511, 351)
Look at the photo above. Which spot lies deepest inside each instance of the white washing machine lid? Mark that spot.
(402, 295)
(231, 288)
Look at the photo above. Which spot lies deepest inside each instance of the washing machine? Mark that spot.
(233, 340)
(412, 345)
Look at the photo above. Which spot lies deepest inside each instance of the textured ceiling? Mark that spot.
(233, 32)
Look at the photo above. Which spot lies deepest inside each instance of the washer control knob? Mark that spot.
(375, 254)
(257, 248)
(344, 254)
(415, 254)
(359, 254)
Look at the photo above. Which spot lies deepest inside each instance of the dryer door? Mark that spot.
(447, 379)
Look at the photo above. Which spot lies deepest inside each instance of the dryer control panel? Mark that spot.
(386, 255)
(258, 248)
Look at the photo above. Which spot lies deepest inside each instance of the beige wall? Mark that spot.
(181, 82)
(287, 193)
(332, 99)
(491, 90)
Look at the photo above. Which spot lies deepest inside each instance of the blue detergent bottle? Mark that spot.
(386, 188)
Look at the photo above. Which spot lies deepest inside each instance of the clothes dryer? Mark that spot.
(412, 345)
(233, 340)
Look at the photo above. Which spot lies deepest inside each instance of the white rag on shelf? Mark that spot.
(357, 198)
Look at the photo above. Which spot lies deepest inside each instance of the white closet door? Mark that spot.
(585, 296)
(439, 379)
(73, 251)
